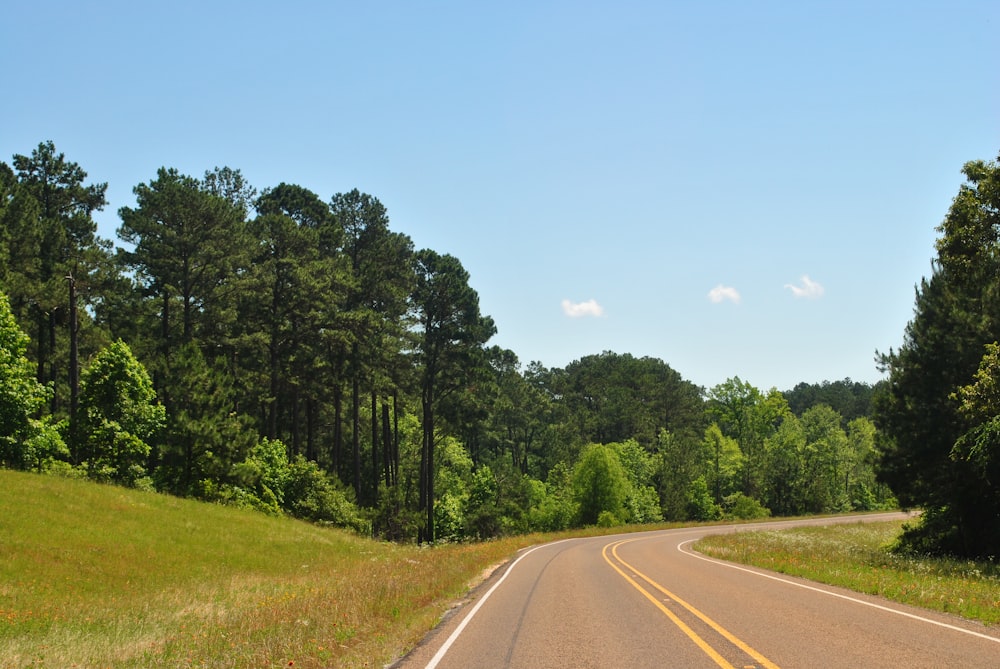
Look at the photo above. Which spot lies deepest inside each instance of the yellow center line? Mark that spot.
(764, 662)
(711, 652)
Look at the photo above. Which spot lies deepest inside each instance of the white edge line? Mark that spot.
(873, 605)
(458, 630)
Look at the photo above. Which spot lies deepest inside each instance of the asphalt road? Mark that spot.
(647, 600)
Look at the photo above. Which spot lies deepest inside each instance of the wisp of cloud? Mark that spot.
(809, 288)
(722, 293)
(580, 309)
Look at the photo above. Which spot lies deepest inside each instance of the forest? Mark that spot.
(277, 350)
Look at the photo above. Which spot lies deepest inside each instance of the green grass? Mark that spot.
(98, 576)
(101, 576)
(856, 556)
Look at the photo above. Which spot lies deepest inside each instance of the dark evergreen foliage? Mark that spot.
(918, 411)
(851, 399)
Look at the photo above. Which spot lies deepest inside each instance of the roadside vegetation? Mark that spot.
(102, 576)
(861, 557)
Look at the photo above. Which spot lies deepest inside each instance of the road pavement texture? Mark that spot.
(648, 600)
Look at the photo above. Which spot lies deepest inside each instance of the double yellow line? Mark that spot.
(700, 642)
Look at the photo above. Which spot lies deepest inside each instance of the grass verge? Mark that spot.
(857, 556)
(101, 576)
(98, 576)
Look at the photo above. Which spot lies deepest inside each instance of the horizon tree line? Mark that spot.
(308, 357)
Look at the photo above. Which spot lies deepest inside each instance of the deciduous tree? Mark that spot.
(749, 416)
(600, 485)
(118, 415)
(21, 396)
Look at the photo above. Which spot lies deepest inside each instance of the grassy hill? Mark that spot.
(100, 576)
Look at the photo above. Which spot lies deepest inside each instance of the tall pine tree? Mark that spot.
(957, 314)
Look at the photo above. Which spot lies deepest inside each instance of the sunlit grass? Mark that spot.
(94, 576)
(856, 556)
(98, 576)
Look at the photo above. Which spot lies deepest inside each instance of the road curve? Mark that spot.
(647, 600)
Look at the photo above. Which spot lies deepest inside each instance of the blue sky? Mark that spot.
(737, 188)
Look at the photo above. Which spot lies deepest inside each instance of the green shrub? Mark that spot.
(393, 519)
(21, 396)
(312, 494)
(643, 505)
(608, 519)
(555, 508)
(44, 446)
(740, 506)
(449, 520)
(553, 513)
(483, 516)
(700, 505)
(600, 484)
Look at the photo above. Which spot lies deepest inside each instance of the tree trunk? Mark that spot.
(427, 464)
(52, 366)
(422, 492)
(294, 415)
(375, 447)
(165, 350)
(311, 429)
(395, 435)
(386, 445)
(41, 340)
(356, 433)
(338, 431)
(272, 406)
(74, 353)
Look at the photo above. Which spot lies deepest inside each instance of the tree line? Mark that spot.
(277, 350)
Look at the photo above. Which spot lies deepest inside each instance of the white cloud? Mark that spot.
(722, 293)
(809, 289)
(581, 309)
